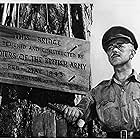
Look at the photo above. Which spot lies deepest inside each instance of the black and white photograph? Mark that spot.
(70, 69)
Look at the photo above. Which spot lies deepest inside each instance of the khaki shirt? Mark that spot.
(117, 105)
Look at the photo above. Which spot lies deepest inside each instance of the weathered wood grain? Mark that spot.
(42, 60)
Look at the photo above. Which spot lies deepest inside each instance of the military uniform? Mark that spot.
(117, 106)
(113, 106)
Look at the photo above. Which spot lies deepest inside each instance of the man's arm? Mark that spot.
(81, 109)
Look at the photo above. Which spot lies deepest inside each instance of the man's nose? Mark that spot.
(115, 48)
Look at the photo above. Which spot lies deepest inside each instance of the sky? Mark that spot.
(108, 13)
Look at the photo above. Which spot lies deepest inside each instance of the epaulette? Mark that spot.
(104, 82)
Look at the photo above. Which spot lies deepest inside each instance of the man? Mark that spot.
(116, 101)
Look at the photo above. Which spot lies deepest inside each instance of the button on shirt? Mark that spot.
(117, 104)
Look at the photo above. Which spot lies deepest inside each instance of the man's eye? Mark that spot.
(119, 45)
(110, 48)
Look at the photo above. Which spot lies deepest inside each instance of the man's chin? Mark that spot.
(114, 64)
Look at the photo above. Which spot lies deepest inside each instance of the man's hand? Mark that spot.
(72, 113)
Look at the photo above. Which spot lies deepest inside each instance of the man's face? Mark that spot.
(119, 51)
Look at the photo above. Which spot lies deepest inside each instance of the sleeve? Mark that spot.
(85, 104)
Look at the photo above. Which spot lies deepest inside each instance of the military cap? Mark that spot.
(118, 32)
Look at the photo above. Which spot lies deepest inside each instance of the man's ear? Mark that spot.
(133, 52)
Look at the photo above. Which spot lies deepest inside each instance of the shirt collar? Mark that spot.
(109, 82)
(133, 75)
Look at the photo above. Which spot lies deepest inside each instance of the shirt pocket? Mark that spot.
(136, 95)
(135, 106)
(106, 98)
(135, 102)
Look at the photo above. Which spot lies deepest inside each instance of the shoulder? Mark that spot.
(101, 90)
(103, 84)
(100, 87)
